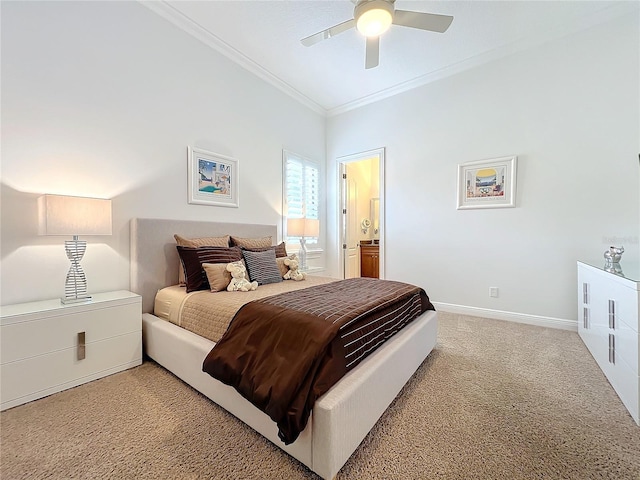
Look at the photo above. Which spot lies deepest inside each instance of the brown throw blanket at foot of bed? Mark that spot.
(283, 352)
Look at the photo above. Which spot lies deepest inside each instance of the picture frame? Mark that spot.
(487, 183)
(213, 178)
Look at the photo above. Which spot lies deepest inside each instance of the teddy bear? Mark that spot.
(293, 273)
(238, 281)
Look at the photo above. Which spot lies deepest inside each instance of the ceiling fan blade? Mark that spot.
(328, 33)
(372, 52)
(424, 21)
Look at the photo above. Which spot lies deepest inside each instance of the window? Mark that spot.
(301, 194)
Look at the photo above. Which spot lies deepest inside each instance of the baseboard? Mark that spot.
(508, 316)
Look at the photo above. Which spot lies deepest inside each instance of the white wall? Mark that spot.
(101, 99)
(570, 111)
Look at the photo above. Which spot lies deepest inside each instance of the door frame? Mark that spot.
(378, 153)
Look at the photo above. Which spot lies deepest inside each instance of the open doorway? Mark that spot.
(362, 214)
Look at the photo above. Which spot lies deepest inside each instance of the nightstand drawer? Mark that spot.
(23, 340)
(42, 375)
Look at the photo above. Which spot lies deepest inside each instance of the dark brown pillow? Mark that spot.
(192, 259)
(281, 250)
(198, 242)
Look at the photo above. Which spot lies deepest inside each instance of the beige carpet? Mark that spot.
(495, 400)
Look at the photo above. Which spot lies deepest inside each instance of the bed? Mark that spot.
(334, 430)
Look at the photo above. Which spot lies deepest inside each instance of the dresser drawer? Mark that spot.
(625, 382)
(26, 339)
(593, 340)
(626, 346)
(623, 303)
(42, 375)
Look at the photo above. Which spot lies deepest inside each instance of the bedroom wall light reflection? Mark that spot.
(66, 215)
(303, 227)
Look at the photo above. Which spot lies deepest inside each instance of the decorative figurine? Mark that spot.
(613, 255)
(613, 268)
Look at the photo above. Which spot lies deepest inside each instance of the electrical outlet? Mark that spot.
(494, 292)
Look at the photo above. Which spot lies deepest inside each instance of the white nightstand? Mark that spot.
(46, 347)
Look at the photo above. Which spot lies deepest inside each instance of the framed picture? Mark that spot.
(213, 178)
(487, 183)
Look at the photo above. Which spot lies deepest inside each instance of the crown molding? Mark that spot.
(166, 11)
(604, 15)
(169, 13)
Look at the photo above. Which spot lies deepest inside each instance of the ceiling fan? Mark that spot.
(374, 17)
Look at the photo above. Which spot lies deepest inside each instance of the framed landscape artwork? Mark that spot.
(487, 183)
(213, 178)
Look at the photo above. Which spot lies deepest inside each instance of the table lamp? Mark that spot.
(66, 215)
(303, 227)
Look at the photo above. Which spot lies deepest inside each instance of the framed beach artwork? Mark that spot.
(213, 178)
(487, 183)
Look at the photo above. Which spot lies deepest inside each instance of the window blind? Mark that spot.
(302, 191)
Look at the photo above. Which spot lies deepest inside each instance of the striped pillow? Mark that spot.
(199, 242)
(281, 249)
(192, 259)
(262, 266)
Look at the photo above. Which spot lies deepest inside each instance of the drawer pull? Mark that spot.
(585, 293)
(612, 348)
(585, 317)
(81, 346)
(612, 314)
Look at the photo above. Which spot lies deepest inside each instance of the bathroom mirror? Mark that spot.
(375, 217)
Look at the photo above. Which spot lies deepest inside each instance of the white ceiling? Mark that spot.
(264, 37)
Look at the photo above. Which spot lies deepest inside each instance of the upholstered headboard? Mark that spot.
(154, 257)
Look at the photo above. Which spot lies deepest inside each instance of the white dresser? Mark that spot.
(608, 306)
(46, 347)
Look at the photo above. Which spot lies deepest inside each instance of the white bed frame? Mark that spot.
(340, 419)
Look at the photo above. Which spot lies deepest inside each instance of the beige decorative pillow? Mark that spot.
(281, 266)
(203, 241)
(217, 275)
(251, 242)
(198, 242)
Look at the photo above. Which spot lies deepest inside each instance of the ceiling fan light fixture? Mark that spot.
(374, 17)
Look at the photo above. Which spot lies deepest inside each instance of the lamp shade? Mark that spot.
(303, 227)
(66, 215)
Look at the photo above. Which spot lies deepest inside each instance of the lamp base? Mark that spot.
(302, 254)
(67, 301)
(75, 288)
